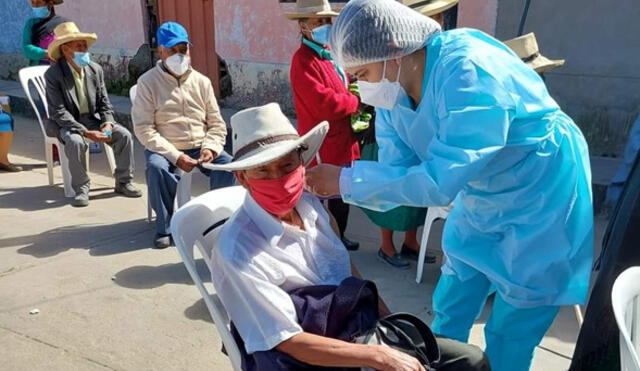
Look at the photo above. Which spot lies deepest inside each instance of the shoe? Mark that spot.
(395, 261)
(411, 254)
(81, 199)
(95, 148)
(128, 190)
(350, 245)
(162, 241)
(10, 168)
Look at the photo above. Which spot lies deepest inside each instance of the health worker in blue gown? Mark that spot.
(460, 118)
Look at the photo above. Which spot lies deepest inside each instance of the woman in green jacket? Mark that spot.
(38, 30)
(36, 37)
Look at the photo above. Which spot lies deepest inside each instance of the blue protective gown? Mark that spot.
(488, 135)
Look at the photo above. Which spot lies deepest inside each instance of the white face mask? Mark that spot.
(383, 94)
(178, 64)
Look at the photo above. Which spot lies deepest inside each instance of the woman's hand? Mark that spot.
(393, 360)
(323, 180)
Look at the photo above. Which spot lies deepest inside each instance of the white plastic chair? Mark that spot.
(183, 193)
(625, 299)
(433, 214)
(35, 76)
(132, 92)
(198, 223)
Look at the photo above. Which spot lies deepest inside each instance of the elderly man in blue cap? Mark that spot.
(177, 119)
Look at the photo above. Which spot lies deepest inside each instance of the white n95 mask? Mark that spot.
(178, 64)
(383, 94)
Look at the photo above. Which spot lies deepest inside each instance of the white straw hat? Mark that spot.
(68, 32)
(264, 134)
(526, 47)
(312, 9)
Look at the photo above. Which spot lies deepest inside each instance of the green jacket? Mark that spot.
(32, 52)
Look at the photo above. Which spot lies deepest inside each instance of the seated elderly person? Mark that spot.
(80, 111)
(283, 239)
(177, 119)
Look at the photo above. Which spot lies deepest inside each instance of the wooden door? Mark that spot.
(197, 17)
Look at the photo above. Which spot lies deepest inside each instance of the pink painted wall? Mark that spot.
(118, 23)
(255, 31)
(480, 14)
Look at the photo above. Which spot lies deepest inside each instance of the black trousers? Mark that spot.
(457, 356)
(340, 211)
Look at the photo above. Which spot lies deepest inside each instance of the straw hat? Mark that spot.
(67, 32)
(430, 7)
(264, 134)
(526, 47)
(312, 9)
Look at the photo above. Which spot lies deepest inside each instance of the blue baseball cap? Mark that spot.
(171, 34)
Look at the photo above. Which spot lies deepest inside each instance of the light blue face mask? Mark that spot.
(41, 12)
(82, 59)
(321, 34)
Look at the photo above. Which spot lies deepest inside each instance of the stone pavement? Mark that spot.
(107, 301)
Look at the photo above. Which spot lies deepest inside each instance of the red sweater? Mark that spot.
(320, 95)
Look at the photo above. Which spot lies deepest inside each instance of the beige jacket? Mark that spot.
(170, 116)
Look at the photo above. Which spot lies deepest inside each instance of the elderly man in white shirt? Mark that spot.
(282, 239)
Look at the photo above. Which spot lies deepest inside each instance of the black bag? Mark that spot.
(408, 334)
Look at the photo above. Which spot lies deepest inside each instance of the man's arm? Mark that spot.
(216, 128)
(58, 112)
(323, 351)
(144, 127)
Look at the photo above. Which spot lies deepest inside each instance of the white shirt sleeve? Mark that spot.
(262, 312)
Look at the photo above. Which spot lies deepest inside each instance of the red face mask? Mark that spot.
(278, 196)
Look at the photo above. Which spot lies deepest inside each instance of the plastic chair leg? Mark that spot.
(432, 215)
(579, 315)
(87, 159)
(48, 153)
(183, 193)
(66, 174)
(149, 209)
(111, 158)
